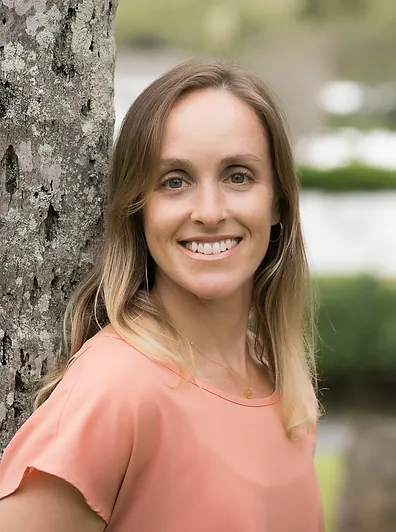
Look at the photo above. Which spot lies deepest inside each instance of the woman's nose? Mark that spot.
(208, 205)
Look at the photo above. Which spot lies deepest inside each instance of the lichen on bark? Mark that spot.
(56, 131)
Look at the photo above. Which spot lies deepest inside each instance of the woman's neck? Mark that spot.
(217, 327)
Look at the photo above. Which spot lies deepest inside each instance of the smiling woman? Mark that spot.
(209, 198)
(164, 378)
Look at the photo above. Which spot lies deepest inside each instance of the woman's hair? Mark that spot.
(117, 289)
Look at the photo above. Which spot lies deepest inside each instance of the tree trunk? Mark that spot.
(56, 131)
(368, 500)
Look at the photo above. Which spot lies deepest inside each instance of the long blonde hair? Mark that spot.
(117, 289)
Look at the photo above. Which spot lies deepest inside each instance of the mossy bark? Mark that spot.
(56, 130)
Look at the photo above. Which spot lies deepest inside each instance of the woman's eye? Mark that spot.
(239, 178)
(174, 183)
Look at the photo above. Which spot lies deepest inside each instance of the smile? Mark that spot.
(211, 248)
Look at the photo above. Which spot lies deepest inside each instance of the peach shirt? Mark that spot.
(151, 455)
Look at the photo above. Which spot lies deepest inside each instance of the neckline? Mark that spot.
(236, 399)
(258, 401)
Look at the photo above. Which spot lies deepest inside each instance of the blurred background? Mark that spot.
(332, 64)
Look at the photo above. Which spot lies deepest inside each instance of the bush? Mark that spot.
(357, 326)
(347, 178)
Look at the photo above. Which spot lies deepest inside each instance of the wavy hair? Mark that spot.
(117, 289)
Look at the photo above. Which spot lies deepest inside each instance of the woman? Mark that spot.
(170, 415)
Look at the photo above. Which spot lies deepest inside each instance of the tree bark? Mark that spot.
(56, 130)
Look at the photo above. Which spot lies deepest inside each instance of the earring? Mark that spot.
(280, 233)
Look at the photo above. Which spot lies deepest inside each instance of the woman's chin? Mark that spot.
(215, 291)
(209, 286)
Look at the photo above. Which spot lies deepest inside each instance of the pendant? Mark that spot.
(248, 393)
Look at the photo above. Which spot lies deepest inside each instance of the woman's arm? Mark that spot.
(45, 503)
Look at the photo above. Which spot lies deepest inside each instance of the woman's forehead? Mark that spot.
(213, 124)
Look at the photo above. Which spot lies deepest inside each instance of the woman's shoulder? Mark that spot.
(109, 363)
(105, 350)
(85, 431)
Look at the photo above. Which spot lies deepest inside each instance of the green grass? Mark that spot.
(330, 469)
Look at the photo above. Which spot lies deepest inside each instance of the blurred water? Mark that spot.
(344, 233)
(376, 148)
(350, 233)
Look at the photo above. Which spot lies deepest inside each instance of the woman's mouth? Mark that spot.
(211, 248)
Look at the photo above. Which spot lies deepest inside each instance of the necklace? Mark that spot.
(247, 390)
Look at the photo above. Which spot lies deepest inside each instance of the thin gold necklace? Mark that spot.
(247, 391)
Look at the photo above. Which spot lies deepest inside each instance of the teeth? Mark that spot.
(214, 248)
(207, 249)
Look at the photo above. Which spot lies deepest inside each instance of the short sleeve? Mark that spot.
(83, 433)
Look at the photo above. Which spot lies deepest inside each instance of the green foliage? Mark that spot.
(157, 23)
(201, 26)
(347, 178)
(321, 9)
(357, 326)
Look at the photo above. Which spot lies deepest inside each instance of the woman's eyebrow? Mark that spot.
(240, 157)
(176, 162)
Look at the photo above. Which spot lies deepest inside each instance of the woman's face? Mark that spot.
(208, 220)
